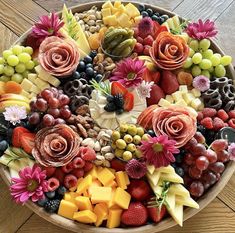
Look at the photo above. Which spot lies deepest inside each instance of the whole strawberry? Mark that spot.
(155, 215)
(139, 190)
(135, 215)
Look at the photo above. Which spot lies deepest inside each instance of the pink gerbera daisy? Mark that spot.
(129, 72)
(31, 184)
(158, 151)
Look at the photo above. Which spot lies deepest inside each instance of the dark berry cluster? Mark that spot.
(115, 104)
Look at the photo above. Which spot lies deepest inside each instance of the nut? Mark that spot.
(92, 133)
(82, 110)
(100, 157)
(110, 67)
(97, 146)
(99, 58)
(106, 149)
(101, 133)
(105, 137)
(96, 128)
(88, 142)
(91, 22)
(92, 29)
(106, 163)
(98, 162)
(109, 132)
(109, 156)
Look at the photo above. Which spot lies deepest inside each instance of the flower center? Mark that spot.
(157, 147)
(50, 30)
(131, 76)
(32, 185)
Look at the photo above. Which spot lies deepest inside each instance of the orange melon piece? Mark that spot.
(2, 87)
(13, 87)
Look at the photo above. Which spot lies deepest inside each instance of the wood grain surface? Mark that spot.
(17, 16)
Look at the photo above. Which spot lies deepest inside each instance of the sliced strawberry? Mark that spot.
(27, 142)
(155, 215)
(128, 101)
(151, 76)
(17, 135)
(118, 88)
(162, 28)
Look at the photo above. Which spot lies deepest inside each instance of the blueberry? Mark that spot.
(81, 66)
(3, 145)
(89, 65)
(61, 190)
(98, 77)
(155, 18)
(42, 202)
(174, 165)
(83, 75)
(141, 7)
(93, 53)
(165, 17)
(157, 14)
(144, 14)
(161, 20)
(87, 59)
(179, 158)
(151, 133)
(179, 171)
(89, 72)
(50, 195)
(76, 75)
(149, 11)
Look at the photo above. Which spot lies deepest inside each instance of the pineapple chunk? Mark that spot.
(196, 103)
(110, 20)
(32, 77)
(177, 95)
(181, 103)
(132, 10)
(26, 85)
(124, 20)
(107, 4)
(188, 97)
(183, 88)
(41, 84)
(35, 89)
(106, 12)
(117, 4)
(196, 92)
(169, 98)
(25, 93)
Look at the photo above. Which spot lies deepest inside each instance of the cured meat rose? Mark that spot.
(58, 57)
(56, 146)
(169, 51)
(176, 122)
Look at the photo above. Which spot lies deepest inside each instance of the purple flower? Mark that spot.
(15, 114)
(201, 82)
(231, 151)
(144, 89)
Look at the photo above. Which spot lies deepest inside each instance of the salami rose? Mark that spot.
(58, 57)
(169, 51)
(176, 122)
(56, 146)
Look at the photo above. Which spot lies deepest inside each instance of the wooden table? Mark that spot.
(17, 16)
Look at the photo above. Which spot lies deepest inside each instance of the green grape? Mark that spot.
(17, 49)
(215, 60)
(30, 65)
(197, 58)
(194, 45)
(9, 71)
(36, 63)
(226, 60)
(25, 74)
(207, 54)
(18, 78)
(28, 50)
(191, 52)
(5, 78)
(220, 71)
(204, 44)
(20, 68)
(211, 70)
(196, 71)
(13, 60)
(24, 57)
(7, 53)
(205, 64)
(2, 60)
(1, 68)
(188, 63)
(206, 73)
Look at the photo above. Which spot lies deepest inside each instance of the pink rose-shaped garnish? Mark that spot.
(58, 57)
(176, 122)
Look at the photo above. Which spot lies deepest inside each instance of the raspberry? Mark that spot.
(207, 123)
(79, 172)
(78, 162)
(225, 124)
(148, 40)
(231, 114)
(59, 174)
(53, 184)
(199, 116)
(70, 181)
(218, 123)
(88, 166)
(231, 123)
(67, 168)
(222, 115)
(49, 171)
(87, 153)
(209, 112)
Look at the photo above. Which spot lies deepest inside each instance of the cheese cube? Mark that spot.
(101, 211)
(84, 184)
(106, 12)
(124, 20)
(67, 209)
(196, 92)
(105, 176)
(163, 103)
(132, 10)
(181, 103)
(41, 84)
(188, 97)
(177, 96)
(101, 194)
(83, 203)
(32, 77)
(26, 85)
(196, 103)
(85, 216)
(110, 20)
(25, 93)
(121, 180)
(169, 98)
(122, 198)
(114, 218)
(35, 89)
(183, 88)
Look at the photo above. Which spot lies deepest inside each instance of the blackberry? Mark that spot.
(42, 202)
(110, 98)
(118, 101)
(52, 206)
(110, 107)
(50, 195)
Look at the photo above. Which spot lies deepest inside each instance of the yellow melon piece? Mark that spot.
(111, 184)
(132, 10)
(107, 4)
(110, 20)
(93, 173)
(2, 87)
(117, 3)
(122, 198)
(114, 218)
(95, 183)
(124, 20)
(70, 196)
(105, 176)
(83, 203)
(121, 179)
(85, 216)
(122, 8)
(106, 12)
(67, 209)
(101, 211)
(84, 184)
(101, 194)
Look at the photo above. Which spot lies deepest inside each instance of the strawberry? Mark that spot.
(49, 171)
(139, 190)
(128, 101)
(155, 95)
(151, 76)
(169, 83)
(135, 215)
(118, 88)
(117, 165)
(155, 215)
(148, 40)
(17, 135)
(59, 174)
(138, 48)
(27, 142)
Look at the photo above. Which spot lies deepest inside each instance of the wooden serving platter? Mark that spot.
(151, 228)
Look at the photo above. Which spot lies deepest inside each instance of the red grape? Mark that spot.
(63, 99)
(53, 103)
(34, 118)
(187, 180)
(189, 159)
(209, 177)
(65, 113)
(59, 121)
(199, 137)
(192, 142)
(33, 105)
(46, 94)
(41, 104)
(223, 156)
(48, 120)
(198, 150)
(217, 167)
(211, 156)
(54, 91)
(202, 163)
(219, 144)
(206, 184)
(55, 112)
(217, 177)
(196, 189)
(195, 173)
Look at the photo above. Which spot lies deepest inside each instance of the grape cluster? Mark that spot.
(50, 107)
(16, 63)
(202, 166)
(202, 60)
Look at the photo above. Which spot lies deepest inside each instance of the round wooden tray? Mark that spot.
(151, 228)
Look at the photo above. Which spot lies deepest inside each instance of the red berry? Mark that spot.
(218, 124)
(219, 145)
(196, 189)
(189, 159)
(54, 103)
(217, 167)
(87, 153)
(49, 171)
(207, 123)
(202, 163)
(222, 115)
(209, 112)
(231, 123)
(199, 116)
(146, 50)
(67, 168)
(78, 162)
(88, 166)
(140, 39)
(148, 40)
(209, 177)
(70, 181)
(53, 184)
(59, 174)
(138, 48)
(79, 172)
(195, 173)
(231, 114)
(136, 32)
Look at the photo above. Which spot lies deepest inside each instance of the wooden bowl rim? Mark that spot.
(151, 228)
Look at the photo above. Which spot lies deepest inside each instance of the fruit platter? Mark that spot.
(116, 117)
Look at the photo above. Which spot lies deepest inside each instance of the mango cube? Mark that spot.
(67, 209)
(101, 211)
(121, 179)
(101, 194)
(117, 3)
(85, 216)
(107, 4)
(93, 173)
(127, 179)
(105, 176)
(111, 184)
(111, 202)
(83, 203)
(95, 183)
(70, 196)
(114, 218)
(122, 198)
(84, 184)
